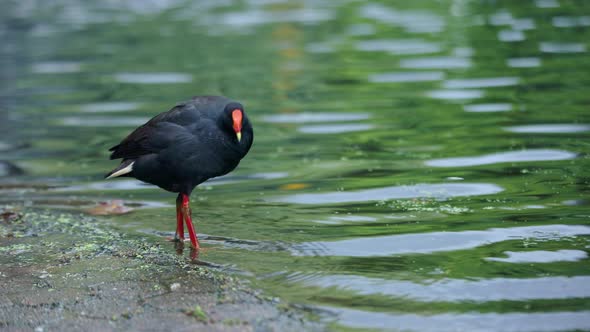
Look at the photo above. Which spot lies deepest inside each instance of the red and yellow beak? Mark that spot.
(236, 116)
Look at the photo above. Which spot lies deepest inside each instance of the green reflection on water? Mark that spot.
(273, 70)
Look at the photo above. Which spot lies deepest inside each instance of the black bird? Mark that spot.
(177, 150)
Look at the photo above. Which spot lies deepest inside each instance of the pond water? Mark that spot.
(417, 165)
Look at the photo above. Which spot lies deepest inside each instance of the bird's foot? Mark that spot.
(194, 254)
(176, 239)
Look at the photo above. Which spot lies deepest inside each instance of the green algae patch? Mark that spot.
(69, 271)
(16, 249)
(198, 313)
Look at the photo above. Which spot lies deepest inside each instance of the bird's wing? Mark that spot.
(155, 135)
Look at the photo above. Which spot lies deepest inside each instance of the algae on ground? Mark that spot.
(198, 313)
(70, 272)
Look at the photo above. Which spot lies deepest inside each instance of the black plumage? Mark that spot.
(177, 150)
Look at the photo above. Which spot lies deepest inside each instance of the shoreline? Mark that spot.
(63, 271)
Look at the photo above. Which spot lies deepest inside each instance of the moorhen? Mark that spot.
(177, 150)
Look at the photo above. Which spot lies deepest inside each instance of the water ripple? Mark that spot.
(405, 77)
(503, 157)
(399, 46)
(570, 21)
(510, 36)
(483, 108)
(523, 24)
(335, 220)
(133, 184)
(455, 94)
(561, 47)
(529, 62)
(550, 128)
(334, 128)
(56, 67)
(426, 243)
(108, 107)
(153, 78)
(459, 290)
(547, 3)
(501, 17)
(541, 256)
(361, 29)
(314, 117)
(259, 17)
(127, 184)
(447, 62)
(412, 20)
(452, 322)
(320, 47)
(98, 121)
(439, 191)
(480, 82)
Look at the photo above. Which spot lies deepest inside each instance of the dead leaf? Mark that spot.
(10, 216)
(109, 208)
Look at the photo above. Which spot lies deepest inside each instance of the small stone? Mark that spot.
(175, 286)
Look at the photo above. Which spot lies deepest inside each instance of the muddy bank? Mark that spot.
(69, 272)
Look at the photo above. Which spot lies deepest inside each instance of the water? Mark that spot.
(417, 166)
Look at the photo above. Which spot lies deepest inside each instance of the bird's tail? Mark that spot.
(125, 168)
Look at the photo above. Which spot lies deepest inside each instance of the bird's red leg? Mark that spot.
(186, 210)
(179, 236)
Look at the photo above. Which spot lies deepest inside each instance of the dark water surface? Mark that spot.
(417, 165)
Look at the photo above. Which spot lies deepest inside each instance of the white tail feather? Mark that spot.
(122, 171)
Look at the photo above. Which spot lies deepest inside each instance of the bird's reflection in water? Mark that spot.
(193, 254)
(179, 247)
